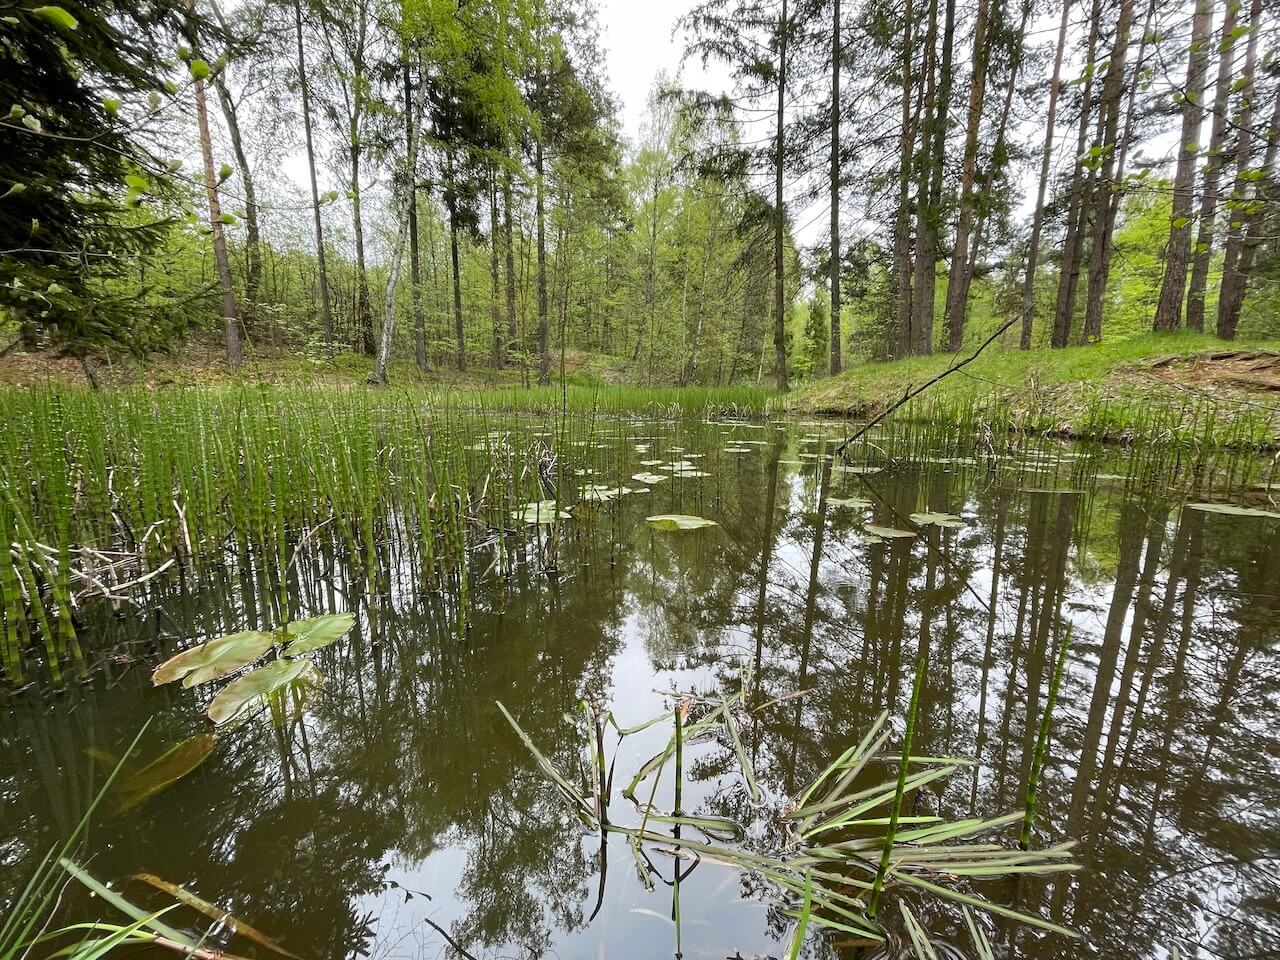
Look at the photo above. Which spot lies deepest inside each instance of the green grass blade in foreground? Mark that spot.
(39, 896)
(124, 906)
(896, 810)
(1042, 742)
(797, 938)
(548, 768)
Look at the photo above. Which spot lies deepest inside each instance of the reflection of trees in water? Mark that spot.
(1162, 759)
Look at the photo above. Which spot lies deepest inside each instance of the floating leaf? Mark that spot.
(739, 450)
(651, 463)
(166, 769)
(1235, 511)
(678, 521)
(648, 477)
(861, 469)
(317, 632)
(214, 659)
(937, 519)
(848, 502)
(878, 531)
(541, 511)
(259, 683)
(57, 16)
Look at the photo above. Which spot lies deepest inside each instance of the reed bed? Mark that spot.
(102, 492)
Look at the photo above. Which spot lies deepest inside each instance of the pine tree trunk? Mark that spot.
(509, 249)
(411, 219)
(544, 344)
(780, 215)
(929, 220)
(836, 338)
(1106, 193)
(1253, 232)
(1037, 217)
(958, 280)
(326, 310)
(458, 332)
(1202, 253)
(231, 327)
(1178, 252)
(1077, 209)
(902, 268)
(364, 312)
(495, 294)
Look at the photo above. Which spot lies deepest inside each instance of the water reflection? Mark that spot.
(401, 796)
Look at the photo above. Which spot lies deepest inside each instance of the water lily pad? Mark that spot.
(738, 450)
(848, 502)
(540, 511)
(1235, 511)
(888, 532)
(214, 659)
(649, 477)
(860, 469)
(317, 632)
(166, 769)
(259, 683)
(679, 521)
(937, 519)
(651, 463)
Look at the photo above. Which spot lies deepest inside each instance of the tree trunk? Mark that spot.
(1202, 253)
(253, 242)
(326, 311)
(1106, 188)
(458, 333)
(902, 270)
(231, 327)
(1077, 210)
(1240, 188)
(509, 250)
(1253, 233)
(1178, 252)
(959, 278)
(836, 338)
(1037, 217)
(411, 219)
(929, 219)
(495, 311)
(544, 345)
(364, 312)
(780, 215)
(389, 302)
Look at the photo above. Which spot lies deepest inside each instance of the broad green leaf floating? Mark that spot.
(859, 469)
(1235, 511)
(888, 532)
(648, 478)
(848, 502)
(57, 16)
(214, 659)
(308, 635)
(937, 519)
(679, 521)
(540, 511)
(259, 683)
(165, 770)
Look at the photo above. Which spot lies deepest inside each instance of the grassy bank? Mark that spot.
(1152, 388)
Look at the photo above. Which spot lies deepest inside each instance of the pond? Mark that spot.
(396, 813)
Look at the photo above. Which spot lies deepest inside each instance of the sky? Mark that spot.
(638, 41)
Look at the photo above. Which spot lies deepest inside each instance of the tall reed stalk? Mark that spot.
(1042, 742)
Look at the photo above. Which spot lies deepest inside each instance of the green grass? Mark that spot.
(1103, 391)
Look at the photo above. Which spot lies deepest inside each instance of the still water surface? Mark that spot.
(403, 796)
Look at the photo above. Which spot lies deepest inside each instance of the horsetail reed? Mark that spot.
(1042, 742)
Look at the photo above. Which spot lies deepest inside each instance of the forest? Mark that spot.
(451, 183)
(568, 479)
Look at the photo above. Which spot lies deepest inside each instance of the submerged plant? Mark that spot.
(843, 844)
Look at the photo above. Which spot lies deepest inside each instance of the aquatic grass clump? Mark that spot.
(838, 850)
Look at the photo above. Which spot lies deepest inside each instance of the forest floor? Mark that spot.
(1150, 369)
(1153, 370)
